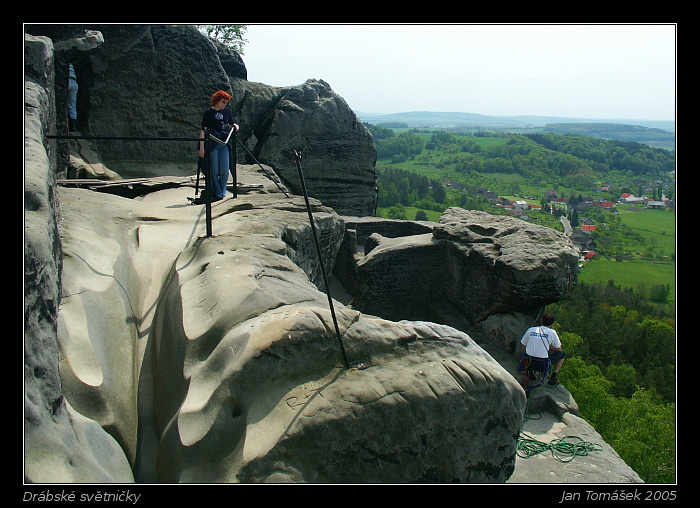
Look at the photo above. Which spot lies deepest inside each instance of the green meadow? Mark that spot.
(635, 274)
(648, 238)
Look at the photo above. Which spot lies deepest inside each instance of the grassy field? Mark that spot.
(656, 226)
(630, 274)
(411, 213)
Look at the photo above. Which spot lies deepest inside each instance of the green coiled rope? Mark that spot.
(564, 450)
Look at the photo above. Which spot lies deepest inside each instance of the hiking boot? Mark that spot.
(553, 380)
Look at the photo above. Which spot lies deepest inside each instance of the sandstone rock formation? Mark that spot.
(478, 263)
(61, 445)
(247, 380)
(168, 342)
(337, 149)
(156, 80)
(156, 353)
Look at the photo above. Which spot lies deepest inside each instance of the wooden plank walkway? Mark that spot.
(132, 187)
(129, 186)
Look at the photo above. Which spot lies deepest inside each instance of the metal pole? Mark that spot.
(207, 182)
(297, 159)
(232, 163)
(199, 170)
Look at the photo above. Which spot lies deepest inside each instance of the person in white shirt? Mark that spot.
(542, 342)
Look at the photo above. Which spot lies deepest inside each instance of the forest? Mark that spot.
(654, 137)
(621, 370)
(620, 341)
(540, 155)
(458, 165)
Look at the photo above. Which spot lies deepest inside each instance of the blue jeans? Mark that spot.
(72, 99)
(219, 160)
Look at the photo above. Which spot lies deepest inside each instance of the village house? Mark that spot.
(583, 241)
(632, 199)
(492, 197)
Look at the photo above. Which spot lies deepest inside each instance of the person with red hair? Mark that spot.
(219, 120)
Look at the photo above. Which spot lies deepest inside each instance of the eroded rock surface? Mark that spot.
(481, 264)
(247, 381)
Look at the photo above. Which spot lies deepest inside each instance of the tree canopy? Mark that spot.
(620, 369)
(229, 35)
(547, 155)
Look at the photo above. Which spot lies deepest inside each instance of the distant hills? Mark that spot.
(652, 132)
(453, 119)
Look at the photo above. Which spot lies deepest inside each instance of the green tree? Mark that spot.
(624, 378)
(571, 342)
(640, 429)
(589, 388)
(379, 132)
(439, 193)
(229, 35)
(646, 438)
(660, 292)
(398, 211)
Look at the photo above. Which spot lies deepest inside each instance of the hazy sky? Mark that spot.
(589, 71)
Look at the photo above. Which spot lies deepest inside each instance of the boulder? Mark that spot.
(338, 153)
(480, 264)
(506, 330)
(418, 409)
(157, 80)
(530, 266)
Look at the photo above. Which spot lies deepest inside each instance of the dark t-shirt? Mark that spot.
(217, 122)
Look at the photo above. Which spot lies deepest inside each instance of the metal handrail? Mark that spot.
(207, 136)
(121, 138)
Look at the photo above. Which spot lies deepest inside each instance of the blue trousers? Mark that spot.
(72, 99)
(219, 160)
